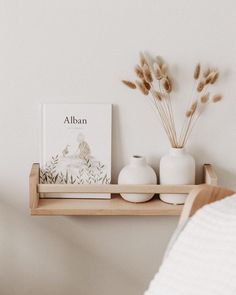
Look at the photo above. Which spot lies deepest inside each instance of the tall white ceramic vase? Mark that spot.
(137, 172)
(177, 167)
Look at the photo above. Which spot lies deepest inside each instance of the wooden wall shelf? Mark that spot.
(114, 206)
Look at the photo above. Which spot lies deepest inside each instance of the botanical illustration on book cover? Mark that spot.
(76, 145)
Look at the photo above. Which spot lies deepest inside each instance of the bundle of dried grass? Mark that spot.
(153, 78)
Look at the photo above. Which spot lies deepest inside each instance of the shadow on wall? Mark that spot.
(68, 254)
(117, 147)
(203, 156)
(226, 176)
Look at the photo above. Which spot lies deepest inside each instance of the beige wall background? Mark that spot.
(78, 51)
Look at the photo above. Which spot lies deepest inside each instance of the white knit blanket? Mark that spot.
(203, 259)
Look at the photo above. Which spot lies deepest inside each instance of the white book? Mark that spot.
(76, 146)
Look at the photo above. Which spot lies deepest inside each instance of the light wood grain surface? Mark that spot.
(200, 196)
(114, 188)
(114, 206)
(33, 186)
(210, 176)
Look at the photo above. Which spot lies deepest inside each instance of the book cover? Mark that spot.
(76, 146)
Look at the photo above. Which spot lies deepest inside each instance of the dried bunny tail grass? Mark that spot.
(146, 84)
(207, 72)
(157, 95)
(164, 69)
(170, 84)
(209, 78)
(192, 109)
(188, 114)
(143, 60)
(217, 97)
(167, 85)
(157, 71)
(147, 73)
(142, 87)
(139, 72)
(205, 98)
(159, 60)
(129, 84)
(200, 86)
(215, 77)
(197, 71)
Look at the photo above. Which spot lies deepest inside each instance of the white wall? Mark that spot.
(78, 51)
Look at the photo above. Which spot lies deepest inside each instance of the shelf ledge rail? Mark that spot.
(36, 188)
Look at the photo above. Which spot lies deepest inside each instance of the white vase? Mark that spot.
(177, 167)
(137, 172)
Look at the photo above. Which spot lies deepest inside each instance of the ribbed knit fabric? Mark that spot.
(203, 259)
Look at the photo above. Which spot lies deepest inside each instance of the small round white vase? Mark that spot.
(137, 172)
(177, 167)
